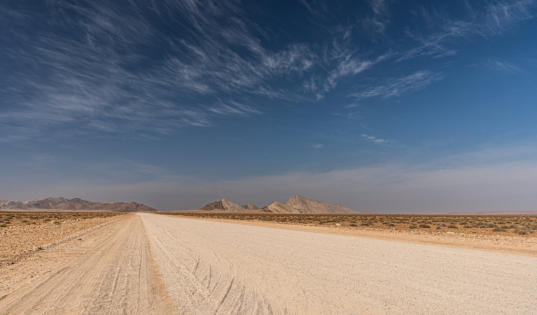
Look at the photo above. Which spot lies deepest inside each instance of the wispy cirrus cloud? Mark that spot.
(380, 18)
(340, 61)
(112, 69)
(435, 45)
(503, 66)
(500, 15)
(85, 79)
(314, 7)
(349, 65)
(87, 70)
(398, 86)
(374, 139)
(99, 66)
(493, 19)
(233, 108)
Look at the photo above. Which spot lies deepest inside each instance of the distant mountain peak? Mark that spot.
(295, 204)
(296, 197)
(61, 203)
(223, 205)
(300, 204)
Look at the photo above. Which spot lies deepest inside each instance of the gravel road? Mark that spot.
(107, 271)
(150, 263)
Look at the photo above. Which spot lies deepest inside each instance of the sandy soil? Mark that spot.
(155, 264)
(26, 234)
(108, 270)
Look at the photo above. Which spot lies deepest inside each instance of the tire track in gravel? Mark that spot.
(157, 264)
(224, 268)
(111, 271)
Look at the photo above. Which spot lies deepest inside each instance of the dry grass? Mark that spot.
(8, 219)
(23, 233)
(477, 224)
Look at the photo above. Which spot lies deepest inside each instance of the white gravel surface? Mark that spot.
(214, 267)
(155, 264)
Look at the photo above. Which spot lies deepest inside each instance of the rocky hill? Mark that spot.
(295, 204)
(223, 205)
(250, 206)
(299, 204)
(73, 204)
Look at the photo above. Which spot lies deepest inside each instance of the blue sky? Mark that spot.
(380, 105)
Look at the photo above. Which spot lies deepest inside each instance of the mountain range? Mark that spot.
(72, 204)
(296, 204)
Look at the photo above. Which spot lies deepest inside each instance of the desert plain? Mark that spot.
(228, 263)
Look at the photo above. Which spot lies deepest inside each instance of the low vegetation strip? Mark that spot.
(25, 232)
(467, 224)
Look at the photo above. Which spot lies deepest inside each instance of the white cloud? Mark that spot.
(314, 7)
(317, 146)
(494, 19)
(374, 139)
(233, 108)
(504, 66)
(399, 86)
(501, 15)
(380, 18)
(435, 45)
(92, 81)
(347, 64)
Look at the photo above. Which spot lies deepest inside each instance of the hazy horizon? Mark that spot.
(377, 105)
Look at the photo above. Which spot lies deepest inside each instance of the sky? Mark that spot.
(410, 106)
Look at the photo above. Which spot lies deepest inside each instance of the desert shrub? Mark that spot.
(506, 227)
(425, 226)
(522, 232)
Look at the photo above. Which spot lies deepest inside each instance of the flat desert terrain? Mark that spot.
(24, 233)
(160, 264)
(509, 233)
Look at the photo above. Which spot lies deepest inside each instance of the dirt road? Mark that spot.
(160, 264)
(109, 270)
